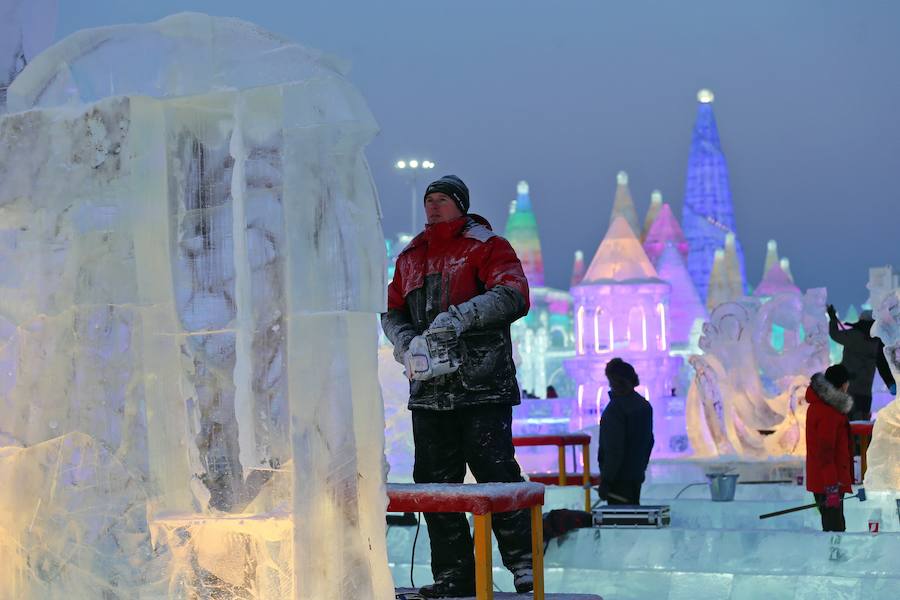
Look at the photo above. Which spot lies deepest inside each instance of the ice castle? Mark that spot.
(621, 309)
(543, 339)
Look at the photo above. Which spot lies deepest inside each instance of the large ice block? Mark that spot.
(193, 262)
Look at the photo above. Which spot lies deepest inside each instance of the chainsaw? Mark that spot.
(432, 354)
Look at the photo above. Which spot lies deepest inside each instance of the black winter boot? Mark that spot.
(448, 589)
(523, 579)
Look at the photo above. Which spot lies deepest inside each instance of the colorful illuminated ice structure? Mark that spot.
(623, 205)
(622, 309)
(686, 311)
(664, 231)
(747, 398)
(542, 340)
(193, 261)
(656, 204)
(708, 213)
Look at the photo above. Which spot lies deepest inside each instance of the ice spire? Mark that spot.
(852, 315)
(577, 268)
(776, 281)
(685, 306)
(724, 281)
(522, 233)
(733, 265)
(716, 289)
(656, 201)
(786, 267)
(620, 257)
(664, 231)
(771, 256)
(708, 214)
(623, 205)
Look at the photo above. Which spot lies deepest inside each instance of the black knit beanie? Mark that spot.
(621, 376)
(454, 187)
(838, 375)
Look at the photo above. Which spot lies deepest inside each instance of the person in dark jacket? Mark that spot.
(863, 355)
(829, 463)
(626, 436)
(459, 276)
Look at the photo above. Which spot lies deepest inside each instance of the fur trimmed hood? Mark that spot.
(830, 395)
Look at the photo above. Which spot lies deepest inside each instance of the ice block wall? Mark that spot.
(195, 262)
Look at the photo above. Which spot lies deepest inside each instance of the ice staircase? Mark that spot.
(713, 550)
(409, 592)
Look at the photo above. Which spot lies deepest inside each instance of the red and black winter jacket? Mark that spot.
(447, 264)
(828, 451)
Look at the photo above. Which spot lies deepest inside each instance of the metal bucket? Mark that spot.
(722, 486)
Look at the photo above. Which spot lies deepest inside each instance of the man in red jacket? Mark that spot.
(829, 466)
(457, 287)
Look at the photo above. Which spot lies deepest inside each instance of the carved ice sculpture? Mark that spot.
(883, 456)
(192, 261)
(747, 397)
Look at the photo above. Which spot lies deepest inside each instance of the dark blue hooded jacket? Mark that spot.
(626, 438)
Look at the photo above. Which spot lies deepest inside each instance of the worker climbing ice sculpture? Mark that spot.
(193, 261)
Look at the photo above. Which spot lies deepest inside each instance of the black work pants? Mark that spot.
(628, 492)
(862, 408)
(832, 518)
(447, 441)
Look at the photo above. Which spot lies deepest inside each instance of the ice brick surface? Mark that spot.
(193, 261)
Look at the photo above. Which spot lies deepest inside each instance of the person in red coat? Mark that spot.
(459, 276)
(829, 466)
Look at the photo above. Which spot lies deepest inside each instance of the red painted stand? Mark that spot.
(482, 500)
(562, 478)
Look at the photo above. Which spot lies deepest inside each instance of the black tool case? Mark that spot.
(625, 515)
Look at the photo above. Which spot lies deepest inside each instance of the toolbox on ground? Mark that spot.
(626, 515)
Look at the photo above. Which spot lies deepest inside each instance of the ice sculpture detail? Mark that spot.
(730, 408)
(883, 456)
(195, 265)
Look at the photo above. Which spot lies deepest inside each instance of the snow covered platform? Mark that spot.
(514, 596)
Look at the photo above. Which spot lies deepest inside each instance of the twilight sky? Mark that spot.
(565, 94)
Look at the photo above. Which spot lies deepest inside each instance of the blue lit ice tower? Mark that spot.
(708, 215)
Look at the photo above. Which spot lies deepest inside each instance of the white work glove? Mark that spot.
(417, 360)
(460, 318)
